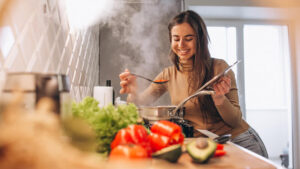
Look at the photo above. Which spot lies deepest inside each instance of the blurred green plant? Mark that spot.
(106, 121)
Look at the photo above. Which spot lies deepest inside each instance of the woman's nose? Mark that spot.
(181, 43)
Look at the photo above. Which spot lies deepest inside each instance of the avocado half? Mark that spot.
(171, 153)
(201, 155)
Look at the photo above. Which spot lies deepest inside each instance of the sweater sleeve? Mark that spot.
(230, 109)
(153, 91)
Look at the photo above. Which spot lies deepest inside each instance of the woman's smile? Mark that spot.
(183, 41)
(183, 51)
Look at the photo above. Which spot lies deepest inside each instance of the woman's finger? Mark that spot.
(122, 91)
(123, 83)
(124, 75)
(216, 89)
(224, 86)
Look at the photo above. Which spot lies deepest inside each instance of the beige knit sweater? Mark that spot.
(230, 117)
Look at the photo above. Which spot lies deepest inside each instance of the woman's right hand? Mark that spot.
(128, 83)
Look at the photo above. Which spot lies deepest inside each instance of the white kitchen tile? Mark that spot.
(64, 20)
(30, 63)
(50, 34)
(7, 40)
(27, 44)
(44, 52)
(69, 45)
(20, 12)
(52, 4)
(61, 40)
(18, 64)
(55, 58)
(11, 56)
(38, 26)
(38, 64)
(62, 65)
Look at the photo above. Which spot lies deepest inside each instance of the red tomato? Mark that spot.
(158, 141)
(219, 153)
(165, 128)
(131, 151)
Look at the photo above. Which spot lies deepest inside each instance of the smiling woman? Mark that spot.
(192, 67)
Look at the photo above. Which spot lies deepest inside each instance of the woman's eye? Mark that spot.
(189, 39)
(176, 40)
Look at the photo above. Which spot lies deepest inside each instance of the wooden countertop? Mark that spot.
(236, 158)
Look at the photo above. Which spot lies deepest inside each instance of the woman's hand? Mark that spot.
(221, 88)
(128, 83)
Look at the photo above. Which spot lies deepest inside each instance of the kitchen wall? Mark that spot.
(35, 36)
(296, 93)
(137, 39)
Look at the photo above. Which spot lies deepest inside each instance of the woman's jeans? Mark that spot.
(251, 141)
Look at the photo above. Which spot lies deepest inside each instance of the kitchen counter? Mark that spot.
(236, 158)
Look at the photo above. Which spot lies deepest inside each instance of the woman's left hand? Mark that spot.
(221, 88)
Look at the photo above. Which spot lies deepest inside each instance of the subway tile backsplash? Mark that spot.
(43, 42)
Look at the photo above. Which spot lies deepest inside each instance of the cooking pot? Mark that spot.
(151, 114)
(36, 86)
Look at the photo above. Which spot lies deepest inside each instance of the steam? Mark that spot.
(85, 13)
(141, 26)
(144, 32)
(144, 29)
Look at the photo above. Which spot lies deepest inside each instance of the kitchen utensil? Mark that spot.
(207, 85)
(217, 77)
(156, 82)
(155, 113)
(152, 114)
(223, 139)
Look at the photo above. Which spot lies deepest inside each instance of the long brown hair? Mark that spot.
(202, 61)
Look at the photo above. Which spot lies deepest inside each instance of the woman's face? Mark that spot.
(183, 41)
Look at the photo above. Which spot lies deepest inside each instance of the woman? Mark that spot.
(193, 66)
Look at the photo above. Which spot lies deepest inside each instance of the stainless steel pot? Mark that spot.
(155, 113)
(36, 86)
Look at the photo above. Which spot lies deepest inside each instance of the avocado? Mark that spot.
(171, 153)
(201, 150)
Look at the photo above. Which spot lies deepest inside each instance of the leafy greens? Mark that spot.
(107, 121)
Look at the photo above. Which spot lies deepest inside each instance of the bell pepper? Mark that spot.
(164, 134)
(158, 141)
(166, 128)
(219, 153)
(220, 146)
(133, 134)
(131, 151)
(122, 137)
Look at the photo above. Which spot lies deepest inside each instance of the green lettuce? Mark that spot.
(107, 121)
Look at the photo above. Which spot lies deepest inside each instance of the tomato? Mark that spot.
(219, 153)
(130, 151)
(165, 128)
